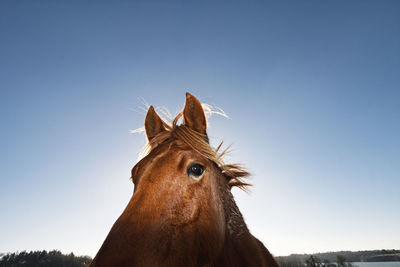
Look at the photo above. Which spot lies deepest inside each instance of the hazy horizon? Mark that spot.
(318, 252)
(311, 89)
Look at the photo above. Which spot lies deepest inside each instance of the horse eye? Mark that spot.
(195, 170)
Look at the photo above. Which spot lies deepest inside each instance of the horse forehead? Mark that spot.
(175, 149)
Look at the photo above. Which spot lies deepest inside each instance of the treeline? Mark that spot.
(43, 258)
(327, 258)
(314, 261)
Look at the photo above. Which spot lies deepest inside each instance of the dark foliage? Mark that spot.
(43, 258)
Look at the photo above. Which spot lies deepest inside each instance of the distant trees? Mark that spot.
(43, 258)
(340, 258)
(312, 261)
(341, 261)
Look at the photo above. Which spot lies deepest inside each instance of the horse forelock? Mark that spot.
(234, 173)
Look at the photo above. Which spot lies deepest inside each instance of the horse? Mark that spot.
(182, 212)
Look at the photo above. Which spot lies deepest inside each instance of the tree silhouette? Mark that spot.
(313, 261)
(341, 261)
(43, 258)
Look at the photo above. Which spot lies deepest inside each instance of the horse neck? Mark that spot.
(241, 247)
(236, 226)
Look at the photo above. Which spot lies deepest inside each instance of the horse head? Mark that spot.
(182, 212)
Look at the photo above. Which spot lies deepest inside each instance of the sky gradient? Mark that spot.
(311, 89)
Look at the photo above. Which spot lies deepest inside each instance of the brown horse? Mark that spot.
(182, 212)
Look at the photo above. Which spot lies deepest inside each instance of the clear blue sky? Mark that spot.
(311, 87)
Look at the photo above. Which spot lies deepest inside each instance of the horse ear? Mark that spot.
(153, 124)
(193, 114)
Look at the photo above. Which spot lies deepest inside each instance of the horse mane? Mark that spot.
(234, 173)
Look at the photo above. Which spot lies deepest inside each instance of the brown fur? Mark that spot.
(173, 219)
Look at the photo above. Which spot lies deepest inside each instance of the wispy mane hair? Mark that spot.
(234, 173)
